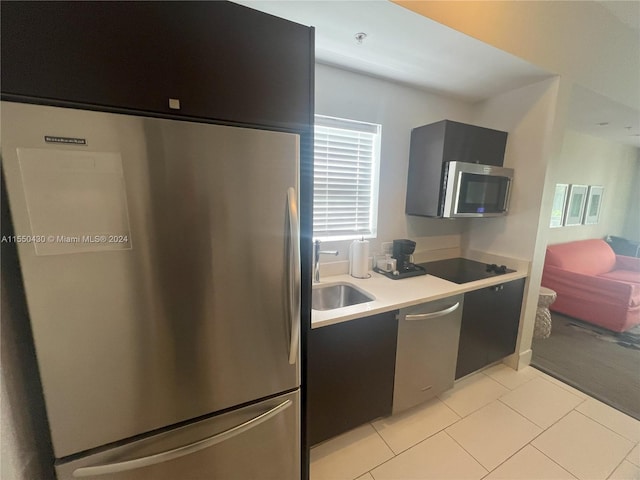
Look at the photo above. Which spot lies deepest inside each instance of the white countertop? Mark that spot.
(393, 294)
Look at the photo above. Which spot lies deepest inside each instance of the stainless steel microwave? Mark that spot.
(475, 190)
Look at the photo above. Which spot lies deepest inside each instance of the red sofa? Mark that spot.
(594, 284)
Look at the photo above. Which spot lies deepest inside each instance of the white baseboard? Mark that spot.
(520, 360)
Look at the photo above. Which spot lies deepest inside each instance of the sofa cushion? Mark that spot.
(627, 276)
(628, 263)
(590, 257)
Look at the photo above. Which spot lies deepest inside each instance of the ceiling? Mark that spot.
(600, 116)
(628, 12)
(408, 48)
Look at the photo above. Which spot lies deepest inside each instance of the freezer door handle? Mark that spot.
(426, 316)
(294, 274)
(183, 450)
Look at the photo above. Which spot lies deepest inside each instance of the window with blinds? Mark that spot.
(345, 180)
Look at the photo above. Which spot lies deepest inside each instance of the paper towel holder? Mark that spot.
(359, 259)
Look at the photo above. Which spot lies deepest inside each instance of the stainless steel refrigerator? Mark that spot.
(161, 266)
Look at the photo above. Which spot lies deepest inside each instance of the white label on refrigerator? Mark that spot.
(76, 201)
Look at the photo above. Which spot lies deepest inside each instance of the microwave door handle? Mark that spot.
(507, 195)
(456, 197)
(180, 451)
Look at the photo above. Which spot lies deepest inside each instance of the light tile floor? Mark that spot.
(496, 424)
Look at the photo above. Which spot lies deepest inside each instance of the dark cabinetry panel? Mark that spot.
(221, 60)
(425, 170)
(473, 144)
(440, 142)
(350, 374)
(490, 321)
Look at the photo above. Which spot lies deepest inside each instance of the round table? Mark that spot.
(542, 327)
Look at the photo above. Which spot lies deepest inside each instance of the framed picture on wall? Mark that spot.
(575, 204)
(594, 201)
(559, 202)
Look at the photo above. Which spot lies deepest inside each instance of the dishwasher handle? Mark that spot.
(427, 316)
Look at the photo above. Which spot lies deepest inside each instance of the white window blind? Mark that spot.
(345, 187)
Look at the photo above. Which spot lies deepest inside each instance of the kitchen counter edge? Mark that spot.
(395, 294)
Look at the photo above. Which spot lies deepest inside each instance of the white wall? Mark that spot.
(588, 160)
(632, 223)
(534, 116)
(528, 114)
(398, 109)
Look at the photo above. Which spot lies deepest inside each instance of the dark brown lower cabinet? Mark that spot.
(350, 374)
(489, 330)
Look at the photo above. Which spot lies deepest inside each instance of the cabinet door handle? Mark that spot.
(426, 316)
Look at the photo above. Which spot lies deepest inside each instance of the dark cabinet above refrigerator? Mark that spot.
(433, 146)
(214, 60)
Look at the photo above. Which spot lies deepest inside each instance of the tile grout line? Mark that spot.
(602, 424)
(417, 443)
(583, 399)
(496, 399)
(566, 389)
(608, 428)
(489, 471)
(421, 441)
(525, 417)
(380, 464)
(383, 440)
(468, 453)
(543, 430)
(552, 460)
(370, 472)
(515, 388)
(560, 419)
(613, 431)
(550, 426)
(565, 386)
(521, 448)
(618, 465)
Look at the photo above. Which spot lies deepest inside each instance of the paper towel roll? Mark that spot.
(359, 259)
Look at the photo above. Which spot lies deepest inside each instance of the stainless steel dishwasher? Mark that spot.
(427, 351)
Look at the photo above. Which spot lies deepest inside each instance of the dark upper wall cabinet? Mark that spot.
(221, 60)
(473, 144)
(440, 142)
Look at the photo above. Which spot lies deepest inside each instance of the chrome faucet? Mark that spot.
(316, 262)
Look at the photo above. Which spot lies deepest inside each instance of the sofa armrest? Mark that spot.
(589, 287)
(627, 263)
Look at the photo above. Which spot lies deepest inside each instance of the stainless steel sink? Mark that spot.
(337, 295)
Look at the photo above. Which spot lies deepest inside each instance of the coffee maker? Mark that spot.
(403, 253)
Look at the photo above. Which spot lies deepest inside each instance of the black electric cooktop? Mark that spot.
(461, 270)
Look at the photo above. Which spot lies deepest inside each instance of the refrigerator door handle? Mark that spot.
(183, 450)
(294, 273)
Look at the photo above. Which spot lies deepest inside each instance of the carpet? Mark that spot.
(600, 363)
